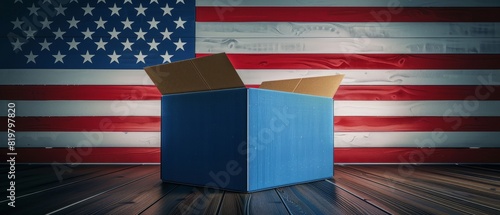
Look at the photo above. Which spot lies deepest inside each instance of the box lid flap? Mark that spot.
(200, 74)
(319, 86)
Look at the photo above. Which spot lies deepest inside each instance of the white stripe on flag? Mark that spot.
(341, 108)
(349, 45)
(435, 139)
(347, 29)
(342, 139)
(255, 76)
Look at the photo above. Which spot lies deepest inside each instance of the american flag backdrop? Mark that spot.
(422, 77)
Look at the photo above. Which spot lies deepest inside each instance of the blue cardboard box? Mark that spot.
(225, 136)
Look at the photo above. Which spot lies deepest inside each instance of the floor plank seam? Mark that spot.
(430, 191)
(359, 197)
(67, 184)
(103, 192)
(220, 202)
(283, 201)
(145, 209)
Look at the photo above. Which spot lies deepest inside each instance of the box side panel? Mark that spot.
(291, 138)
(201, 134)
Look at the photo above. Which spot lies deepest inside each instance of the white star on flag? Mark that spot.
(101, 45)
(87, 57)
(153, 24)
(33, 10)
(17, 24)
(140, 34)
(127, 45)
(46, 23)
(45, 45)
(17, 44)
(88, 34)
(73, 23)
(114, 34)
(59, 34)
(180, 23)
(153, 45)
(31, 57)
(114, 57)
(59, 57)
(30, 33)
(60, 10)
(179, 45)
(73, 44)
(115, 10)
(166, 57)
(166, 34)
(127, 24)
(141, 10)
(140, 57)
(167, 10)
(100, 23)
(88, 10)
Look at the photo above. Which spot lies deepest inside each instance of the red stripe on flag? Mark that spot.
(341, 155)
(342, 124)
(358, 92)
(394, 124)
(364, 61)
(347, 14)
(417, 92)
(90, 123)
(79, 92)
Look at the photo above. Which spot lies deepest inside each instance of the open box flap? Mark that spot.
(200, 74)
(319, 86)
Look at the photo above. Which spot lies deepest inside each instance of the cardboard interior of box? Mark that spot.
(216, 72)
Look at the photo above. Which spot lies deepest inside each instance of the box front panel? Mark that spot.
(290, 138)
(201, 134)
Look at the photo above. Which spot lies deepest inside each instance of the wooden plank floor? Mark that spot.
(355, 189)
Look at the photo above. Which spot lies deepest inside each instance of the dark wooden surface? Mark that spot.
(355, 189)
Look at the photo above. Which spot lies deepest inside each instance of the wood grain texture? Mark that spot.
(187, 200)
(60, 197)
(235, 203)
(355, 189)
(266, 202)
(391, 197)
(130, 199)
(471, 196)
(323, 198)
